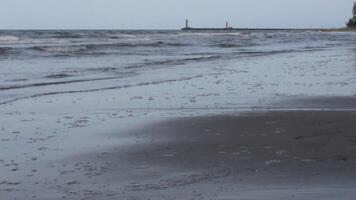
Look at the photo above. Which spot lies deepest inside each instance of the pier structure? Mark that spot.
(187, 27)
(230, 28)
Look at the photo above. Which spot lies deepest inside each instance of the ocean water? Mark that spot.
(250, 65)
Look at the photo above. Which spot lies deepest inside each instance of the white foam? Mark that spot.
(8, 38)
(64, 49)
(207, 34)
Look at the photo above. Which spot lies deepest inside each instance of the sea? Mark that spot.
(253, 64)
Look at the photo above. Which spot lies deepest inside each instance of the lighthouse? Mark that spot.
(227, 26)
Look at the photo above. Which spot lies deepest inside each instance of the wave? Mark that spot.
(128, 36)
(59, 49)
(8, 38)
(102, 69)
(12, 87)
(80, 49)
(175, 61)
(274, 52)
(99, 48)
(65, 35)
(100, 89)
(209, 34)
(230, 45)
(47, 44)
(4, 51)
(58, 76)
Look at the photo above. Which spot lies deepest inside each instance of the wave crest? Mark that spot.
(8, 38)
(105, 48)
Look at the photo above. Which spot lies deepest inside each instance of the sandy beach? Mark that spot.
(253, 155)
(108, 115)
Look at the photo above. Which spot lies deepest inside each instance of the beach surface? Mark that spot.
(258, 155)
(250, 155)
(137, 115)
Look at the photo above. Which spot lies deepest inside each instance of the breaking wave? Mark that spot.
(33, 44)
(101, 48)
(59, 49)
(8, 38)
(181, 61)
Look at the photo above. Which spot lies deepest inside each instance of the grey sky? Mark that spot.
(170, 14)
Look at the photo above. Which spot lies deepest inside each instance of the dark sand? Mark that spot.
(271, 155)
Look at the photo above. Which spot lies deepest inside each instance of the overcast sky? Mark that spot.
(170, 14)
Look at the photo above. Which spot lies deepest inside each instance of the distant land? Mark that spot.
(229, 28)
(273, 29)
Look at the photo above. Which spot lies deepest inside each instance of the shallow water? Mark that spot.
(255, 64)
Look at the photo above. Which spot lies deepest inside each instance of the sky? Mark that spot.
(171, 14)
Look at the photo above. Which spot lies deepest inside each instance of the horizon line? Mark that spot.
(161, 29)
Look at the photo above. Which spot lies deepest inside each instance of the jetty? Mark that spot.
(230, 28)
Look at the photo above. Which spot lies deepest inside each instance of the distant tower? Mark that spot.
(227, 26)
(186, 23)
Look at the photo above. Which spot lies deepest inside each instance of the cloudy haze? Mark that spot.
(170, 14)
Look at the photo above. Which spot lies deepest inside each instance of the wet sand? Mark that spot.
(298, 148)
(268, 155)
